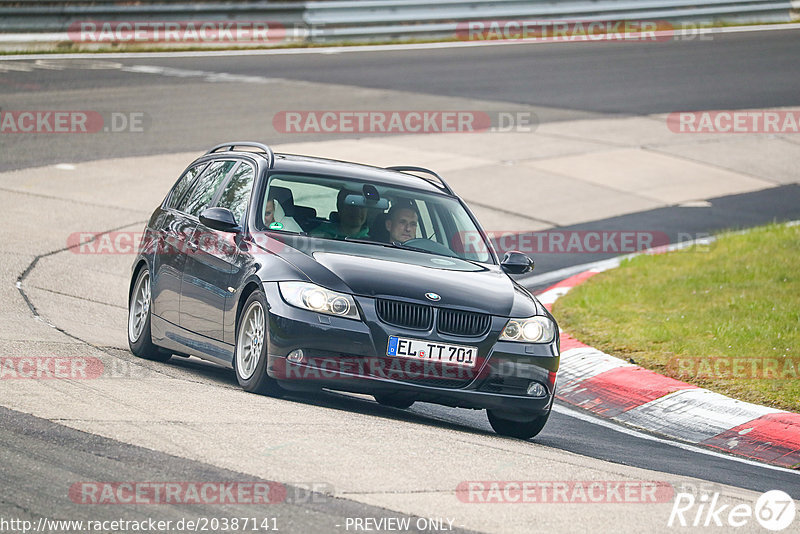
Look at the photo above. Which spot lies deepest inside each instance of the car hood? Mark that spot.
(401, 273)
(477, 288)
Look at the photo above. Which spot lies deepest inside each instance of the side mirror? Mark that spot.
(516, 263)
(221, 219)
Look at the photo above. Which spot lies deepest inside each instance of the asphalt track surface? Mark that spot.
(559, 81)
(555, 81)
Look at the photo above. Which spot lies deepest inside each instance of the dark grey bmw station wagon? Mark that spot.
(305, 273)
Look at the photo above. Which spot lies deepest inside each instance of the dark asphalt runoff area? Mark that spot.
(56, 472)
(680, 224)
(41, 459)
(730, 71)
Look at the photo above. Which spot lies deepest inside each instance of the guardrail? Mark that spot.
(369, 20)
(397, 19)
(58, 18)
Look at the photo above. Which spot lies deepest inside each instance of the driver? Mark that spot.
(402, 222)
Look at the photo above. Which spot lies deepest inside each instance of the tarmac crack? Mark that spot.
(84, 299)
(32, 265)
(19, 507)
(71, 201)
(20, 287)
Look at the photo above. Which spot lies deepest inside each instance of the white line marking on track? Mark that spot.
(569, 412)
(205, 75)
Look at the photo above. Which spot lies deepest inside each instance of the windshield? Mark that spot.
(371, 213)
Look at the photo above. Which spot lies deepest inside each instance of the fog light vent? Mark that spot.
(535, 389)
(296, 356)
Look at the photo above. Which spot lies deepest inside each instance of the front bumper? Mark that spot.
(349, 355)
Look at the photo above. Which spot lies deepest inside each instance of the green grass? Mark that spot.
(680, 313)
(68, 47)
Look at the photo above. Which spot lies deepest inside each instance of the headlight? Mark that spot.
(537, 329)
(318, 299)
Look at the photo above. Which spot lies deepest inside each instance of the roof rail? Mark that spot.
(231, 146)
(438, 182)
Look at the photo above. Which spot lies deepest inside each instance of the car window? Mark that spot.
(320, 197)
(462, 235)
(430, 222)
(183, 184)
(203, 191)
(316, 204)
(425, 225)
(236, 194)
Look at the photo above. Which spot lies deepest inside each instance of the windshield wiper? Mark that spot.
(369, 242)
(425, 250)
(401, 246)
(286, 232)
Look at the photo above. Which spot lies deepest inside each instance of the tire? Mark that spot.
(139, 313)
(394, 401)
(252, 341)
(517, 429)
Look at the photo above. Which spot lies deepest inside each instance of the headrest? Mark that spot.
(283, 195)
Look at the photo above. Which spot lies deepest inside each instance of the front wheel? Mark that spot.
(139, 313)
(517, 429)
(250, 360)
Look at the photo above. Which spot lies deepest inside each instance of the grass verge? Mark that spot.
(725, 317)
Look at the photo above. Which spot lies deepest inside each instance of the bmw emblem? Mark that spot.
(433, 296)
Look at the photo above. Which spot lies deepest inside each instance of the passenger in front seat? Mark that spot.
(351, 220)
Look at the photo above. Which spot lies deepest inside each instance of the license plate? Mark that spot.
(418, 349)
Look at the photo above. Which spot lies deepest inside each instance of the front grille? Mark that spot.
(404, 314)
(461, 323)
